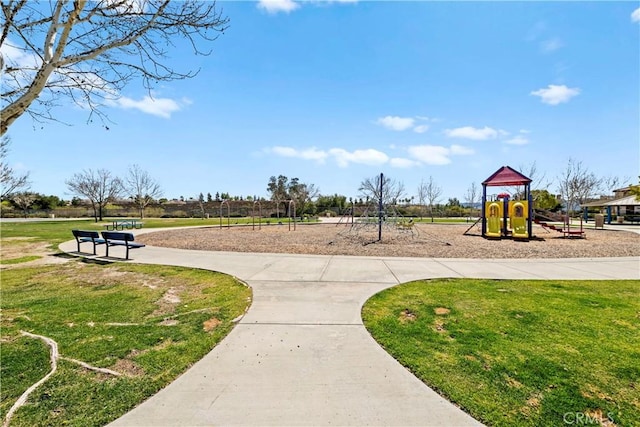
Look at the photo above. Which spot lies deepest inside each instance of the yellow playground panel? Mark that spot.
(518, 217)
(493, 213)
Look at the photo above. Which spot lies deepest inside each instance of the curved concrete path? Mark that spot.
(301, 355)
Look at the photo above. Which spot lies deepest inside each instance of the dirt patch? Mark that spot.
(128, 368)
(17, 247)
(441, 311)
(513, 382)
(167, 304)
(430, 241)
(171, 296)
(211, 324)
(407, 315)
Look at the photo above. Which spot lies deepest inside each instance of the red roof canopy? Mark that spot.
(506, 176)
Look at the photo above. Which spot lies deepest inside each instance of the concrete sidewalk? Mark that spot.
(301, 355)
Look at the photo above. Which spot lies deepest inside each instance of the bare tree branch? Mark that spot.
(472, 196)
(433, 192)
(10, 181)
(100, 187)
(392, 190)
(87, 52)
(576, 184)
(142, 188)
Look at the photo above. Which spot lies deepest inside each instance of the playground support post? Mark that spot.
(484, 216)
(253, 215)
(380, 208)
(228, 213)
(291, 202)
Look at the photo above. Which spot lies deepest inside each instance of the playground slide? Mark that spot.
(494, 218)
(519, 226)
(518, 221)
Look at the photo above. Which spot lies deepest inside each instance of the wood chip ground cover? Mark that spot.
(431, 241)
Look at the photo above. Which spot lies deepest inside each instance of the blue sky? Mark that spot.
(335, 92)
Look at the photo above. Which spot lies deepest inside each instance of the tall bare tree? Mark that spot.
(87, 51)
(392, 190)
(472, 196)
(433, 192)
(611, 182)
(100, 187)
(141, 187)
(422, 196)
(576, 184)
(302, 194)
(24, 200)
(10, 181)
(538, 178)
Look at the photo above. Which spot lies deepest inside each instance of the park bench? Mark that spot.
(114, 238)
(121, 224)
(83, 236)
(632, 218)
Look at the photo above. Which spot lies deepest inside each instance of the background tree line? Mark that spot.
(576, 185)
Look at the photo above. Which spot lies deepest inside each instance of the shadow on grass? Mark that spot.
(86, 258)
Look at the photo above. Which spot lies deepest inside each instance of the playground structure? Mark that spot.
(549, 221)
(373, 219)
(256, 220)
(502, 217)
(376, 217)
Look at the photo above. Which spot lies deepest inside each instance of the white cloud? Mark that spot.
(470, 132)
(399, 162)
(396, 123)
(128, 6)
(162, 107)
(431, 154)
(342, 157)
(635, 15)
(369, 156)
(421, 128)
(16, 58)
(551, 45)
(461, 151)
(556, 94)
(276, 6)
(517, 140)
(308, 154)
(418, 154)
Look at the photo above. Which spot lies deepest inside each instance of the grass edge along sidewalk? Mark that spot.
(123, 333)
(515, 352)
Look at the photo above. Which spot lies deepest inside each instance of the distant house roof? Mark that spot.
(506, 176)
(624, 201)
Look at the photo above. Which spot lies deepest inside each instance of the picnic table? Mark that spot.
(121, 224)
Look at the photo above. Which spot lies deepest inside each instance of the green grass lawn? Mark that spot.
(149, 323)
(56, 232)
(531, 353)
